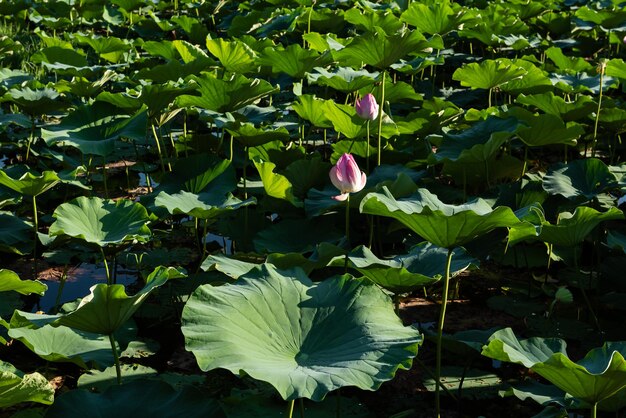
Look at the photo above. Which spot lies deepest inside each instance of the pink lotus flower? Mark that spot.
(367, 108)
(347, 177)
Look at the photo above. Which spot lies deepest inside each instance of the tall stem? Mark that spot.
(345, 266)
(442, 316)
(158, 144)
(595, 127)
(106, 266)
(290, 408)
(380, 116)
(36, 225)
(594, 410)
(367, 161)
(116, 357)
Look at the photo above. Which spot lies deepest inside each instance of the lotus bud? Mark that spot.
(367, 108)
(347, 177)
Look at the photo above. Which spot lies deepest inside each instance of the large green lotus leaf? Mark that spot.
(549, 103)
(231, 267)
(30, 184)
(435, 18)
(294, 61)
(581, 82)
(371, 20)
(345, 120)
(312, 109)
(225, 95)
(99, 381)
(599, 375)
(138, 398)
(235, 56)
(477, 143)
(379, 49)
(616, 240)
(199, 173)
(64, 344)
(107, 307)
(607, 17)
(422, 266)
(444, 225)
(15, 234)
(532, 220)
(251, 136)
(276, 185)
(202, 206)
(95, 128)
(162, 48)
(487, 74)
(172, 70)
(35, 102)
(59, 55)
(534, 81)
(157, 97)
(616, 68)
(343, 79)
(304, 339)
(101, 222)
(572, 228)
(579, 178)
(549, 130)
(17, 387)
(9, 280)
(306, 173)
(567, 63)
(504, 345)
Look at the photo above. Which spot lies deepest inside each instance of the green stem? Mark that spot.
(116, 357)
(595, 127)
(345, 266)
(380, 116)
(594, 410)
(525, 161)
(106, 266)
(104, 177)
(442, 317)
(158, 144)
(290, 408)
(490, 97)
(36, 225)
(367, 161)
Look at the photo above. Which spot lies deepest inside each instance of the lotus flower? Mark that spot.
(367, 108)
(347, 177)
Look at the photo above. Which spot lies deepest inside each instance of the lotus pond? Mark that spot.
(312, 208)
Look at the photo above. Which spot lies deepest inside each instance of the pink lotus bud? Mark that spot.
(347, 177)
(367, 108)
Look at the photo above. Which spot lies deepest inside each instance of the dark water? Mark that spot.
(77, 284)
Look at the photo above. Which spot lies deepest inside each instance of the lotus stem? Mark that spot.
(31, 138)
(158, 144)
(380, 116)
(489, 102)
(602, 67)
(116, 357)
(36, 225)
(106, 266)
(442, 316)
(594, 410)
(104, 177)
(290, 408)
(367, 160)
(345, 266)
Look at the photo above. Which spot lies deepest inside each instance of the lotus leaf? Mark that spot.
(9, 280)
(599, 375)
(444, 225)
(17, 387)
(101, 222)
(235, 56)
(572, 228)
(580, 178)
(304, 339)
(202, 206)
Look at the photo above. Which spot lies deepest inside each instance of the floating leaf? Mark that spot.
(290, 331)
